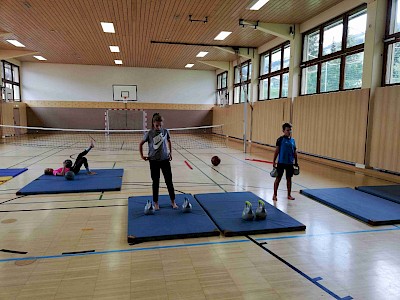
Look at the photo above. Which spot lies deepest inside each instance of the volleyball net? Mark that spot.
(202, 137)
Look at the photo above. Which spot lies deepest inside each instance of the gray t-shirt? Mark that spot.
(158, 149)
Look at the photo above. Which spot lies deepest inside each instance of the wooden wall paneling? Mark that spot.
(332, 125)
(385, 131)
(268, 117)
(7, 118)
(22, 117)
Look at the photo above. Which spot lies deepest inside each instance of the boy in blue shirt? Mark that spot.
(286, 150)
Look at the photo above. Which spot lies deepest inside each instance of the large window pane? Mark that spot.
(353, 71)
(7, 72)
(357, 26)
(17, 95)
(393, 64)
(332, 39)
(311, 45)
(244, 93)
(224, 80)
(285, 84)
(264, 89)
(286, 57)
(15, 70)
(236, 94)
(395, 17)
(330, 75)
(218, 81)
(237, 74)
(265, 64)
(309, 80)
(275, 85)
(276, 60)
(245, 70)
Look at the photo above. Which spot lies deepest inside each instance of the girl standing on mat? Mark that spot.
(76, 167)
(159, 157)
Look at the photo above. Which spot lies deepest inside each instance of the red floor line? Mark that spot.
(189, 166)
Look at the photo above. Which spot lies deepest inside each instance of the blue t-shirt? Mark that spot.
(157, 139)
(287, 148)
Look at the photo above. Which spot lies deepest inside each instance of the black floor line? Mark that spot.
(313, 280)
(78, 252)
(13, 251)
(12, 199)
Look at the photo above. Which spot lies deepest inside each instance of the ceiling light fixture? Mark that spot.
(118, 62)
(114, 48)
(108, 27)
(257, 4)
(201, 54)
(222, 35)
(189, 65)
(38, 57)
(16, 43)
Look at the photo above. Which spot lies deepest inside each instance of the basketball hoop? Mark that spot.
(125, 101)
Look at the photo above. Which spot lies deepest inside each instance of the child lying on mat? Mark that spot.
(67, 165)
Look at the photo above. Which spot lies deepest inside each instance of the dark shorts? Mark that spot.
(285, 167)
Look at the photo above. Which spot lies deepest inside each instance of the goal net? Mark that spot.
(125, 119)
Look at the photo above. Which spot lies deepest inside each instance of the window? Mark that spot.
(391, 72)
(274, 73)
(10, 81)
(333, 54)
(222, 88)
(241, 91)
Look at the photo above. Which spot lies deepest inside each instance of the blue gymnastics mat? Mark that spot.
(167, 223)
(388, 192)
(362, 206)
(11, 172)
(104, 180)
(225, 209)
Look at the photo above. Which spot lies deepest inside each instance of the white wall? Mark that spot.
(44, 81)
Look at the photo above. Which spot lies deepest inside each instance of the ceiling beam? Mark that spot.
(4, 34)
(223, 65)
(6, 54)
(284, 31)
(245, 52)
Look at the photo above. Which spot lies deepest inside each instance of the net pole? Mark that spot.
(107, 123)
(244, 103)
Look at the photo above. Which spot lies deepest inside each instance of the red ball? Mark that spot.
(215, 160)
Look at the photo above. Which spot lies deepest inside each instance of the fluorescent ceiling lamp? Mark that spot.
(118, 62)
(114, 48)
(15, 43)
(108, 27)
(222, 35)
(202, 54)
(39, 57)
(257, 4)
(189, 65)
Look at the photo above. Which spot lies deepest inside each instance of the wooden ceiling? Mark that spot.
(69, 31)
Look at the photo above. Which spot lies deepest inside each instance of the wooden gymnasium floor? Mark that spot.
(352, 258)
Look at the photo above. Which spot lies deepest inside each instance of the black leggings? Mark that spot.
(80, 160)
(165, 167)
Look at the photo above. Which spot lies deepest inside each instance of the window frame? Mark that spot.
(342, 54)
(390, 39)
(222, 89)
(269, 75)
(13, 83)
(243, 83)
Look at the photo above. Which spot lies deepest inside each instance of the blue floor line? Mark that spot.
(313, 280)
(192, 245)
